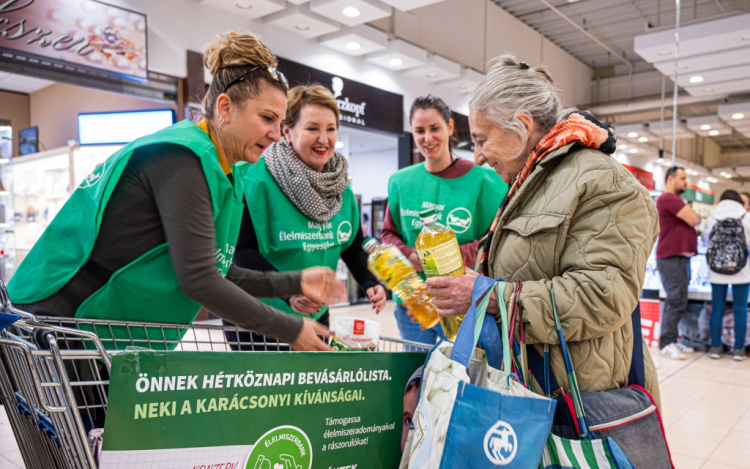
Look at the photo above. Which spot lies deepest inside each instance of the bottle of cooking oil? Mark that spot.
(440, 255)
(389, 265)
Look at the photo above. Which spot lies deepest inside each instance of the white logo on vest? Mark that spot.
(93, 178)
(500, 444)
(459, 220)
(344, 232)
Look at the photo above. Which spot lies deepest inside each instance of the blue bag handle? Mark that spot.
(477, 325)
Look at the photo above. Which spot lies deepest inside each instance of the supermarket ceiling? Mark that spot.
(615, 23)
(630, 46)
(22, 83)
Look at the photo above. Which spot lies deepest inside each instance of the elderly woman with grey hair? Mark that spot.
(574, 220)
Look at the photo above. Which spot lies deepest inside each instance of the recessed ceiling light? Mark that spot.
(243, 5)
(728, 176)
(738, 116)
(643, 139)
(339, 144)
(396, 62)
(696, 79)
(706, 127)
(633, 150)
(665, 52)
(353, 45)
(624, 147)
(301, 27)
(723, 173)
(713, 133)
(351, 12)
(431, 75)
(632, 134)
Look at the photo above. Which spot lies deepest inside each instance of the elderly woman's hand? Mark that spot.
(452, 295)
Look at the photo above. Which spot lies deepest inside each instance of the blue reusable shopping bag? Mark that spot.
(7, 319)
(487, 428)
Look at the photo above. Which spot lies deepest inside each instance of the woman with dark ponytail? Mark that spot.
(456, 188)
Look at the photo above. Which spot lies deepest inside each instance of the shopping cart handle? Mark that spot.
(47, 428)
(24, 409)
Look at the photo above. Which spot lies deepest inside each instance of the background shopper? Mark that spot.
(678, 242)
(463, 195)
(170, 213)
(745, 200)
(300, 209)
(574, 219)
(729, 208)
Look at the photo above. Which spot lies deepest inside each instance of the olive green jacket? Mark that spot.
(581, 223)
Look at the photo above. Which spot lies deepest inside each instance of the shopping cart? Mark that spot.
(55, 375)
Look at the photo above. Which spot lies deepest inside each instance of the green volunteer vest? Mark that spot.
(289, 239)
(146, 290)
(466, 204)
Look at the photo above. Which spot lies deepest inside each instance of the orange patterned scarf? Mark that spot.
(577, 127)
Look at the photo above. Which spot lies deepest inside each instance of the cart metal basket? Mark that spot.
(54, 374)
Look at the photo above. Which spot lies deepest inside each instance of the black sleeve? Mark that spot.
(355, 259)
(181, 193)
(247, 254)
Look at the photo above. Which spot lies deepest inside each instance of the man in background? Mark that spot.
(678, 242)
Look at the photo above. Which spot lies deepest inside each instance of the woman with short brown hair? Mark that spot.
(301, 211)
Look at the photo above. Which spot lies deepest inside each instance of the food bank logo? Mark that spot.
(93, 178)
(283, 447)
(459, 220)
(500, 444)
(344, 232)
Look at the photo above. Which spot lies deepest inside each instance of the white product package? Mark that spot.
(352, 334)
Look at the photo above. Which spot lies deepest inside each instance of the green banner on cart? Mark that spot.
(264, 410)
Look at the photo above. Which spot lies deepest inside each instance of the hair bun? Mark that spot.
(237, 48)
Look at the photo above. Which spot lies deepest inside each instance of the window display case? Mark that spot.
(43, 182)
(698, 289)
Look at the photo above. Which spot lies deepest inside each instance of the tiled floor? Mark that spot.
(705, 406)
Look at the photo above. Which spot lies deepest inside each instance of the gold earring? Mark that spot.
(221, 119)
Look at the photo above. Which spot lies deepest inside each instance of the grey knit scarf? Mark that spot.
(317, 195)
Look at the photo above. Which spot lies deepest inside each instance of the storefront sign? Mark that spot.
(644, 177)
(462, 132)
(360, 105)
(698, 194)
(82, 32)
(256, 410)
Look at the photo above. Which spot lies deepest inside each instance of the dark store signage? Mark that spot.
(462, 132)
(81, 32)
(360, 105)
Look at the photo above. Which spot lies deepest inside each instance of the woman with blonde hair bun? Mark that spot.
(574, 221)
(151, 233)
